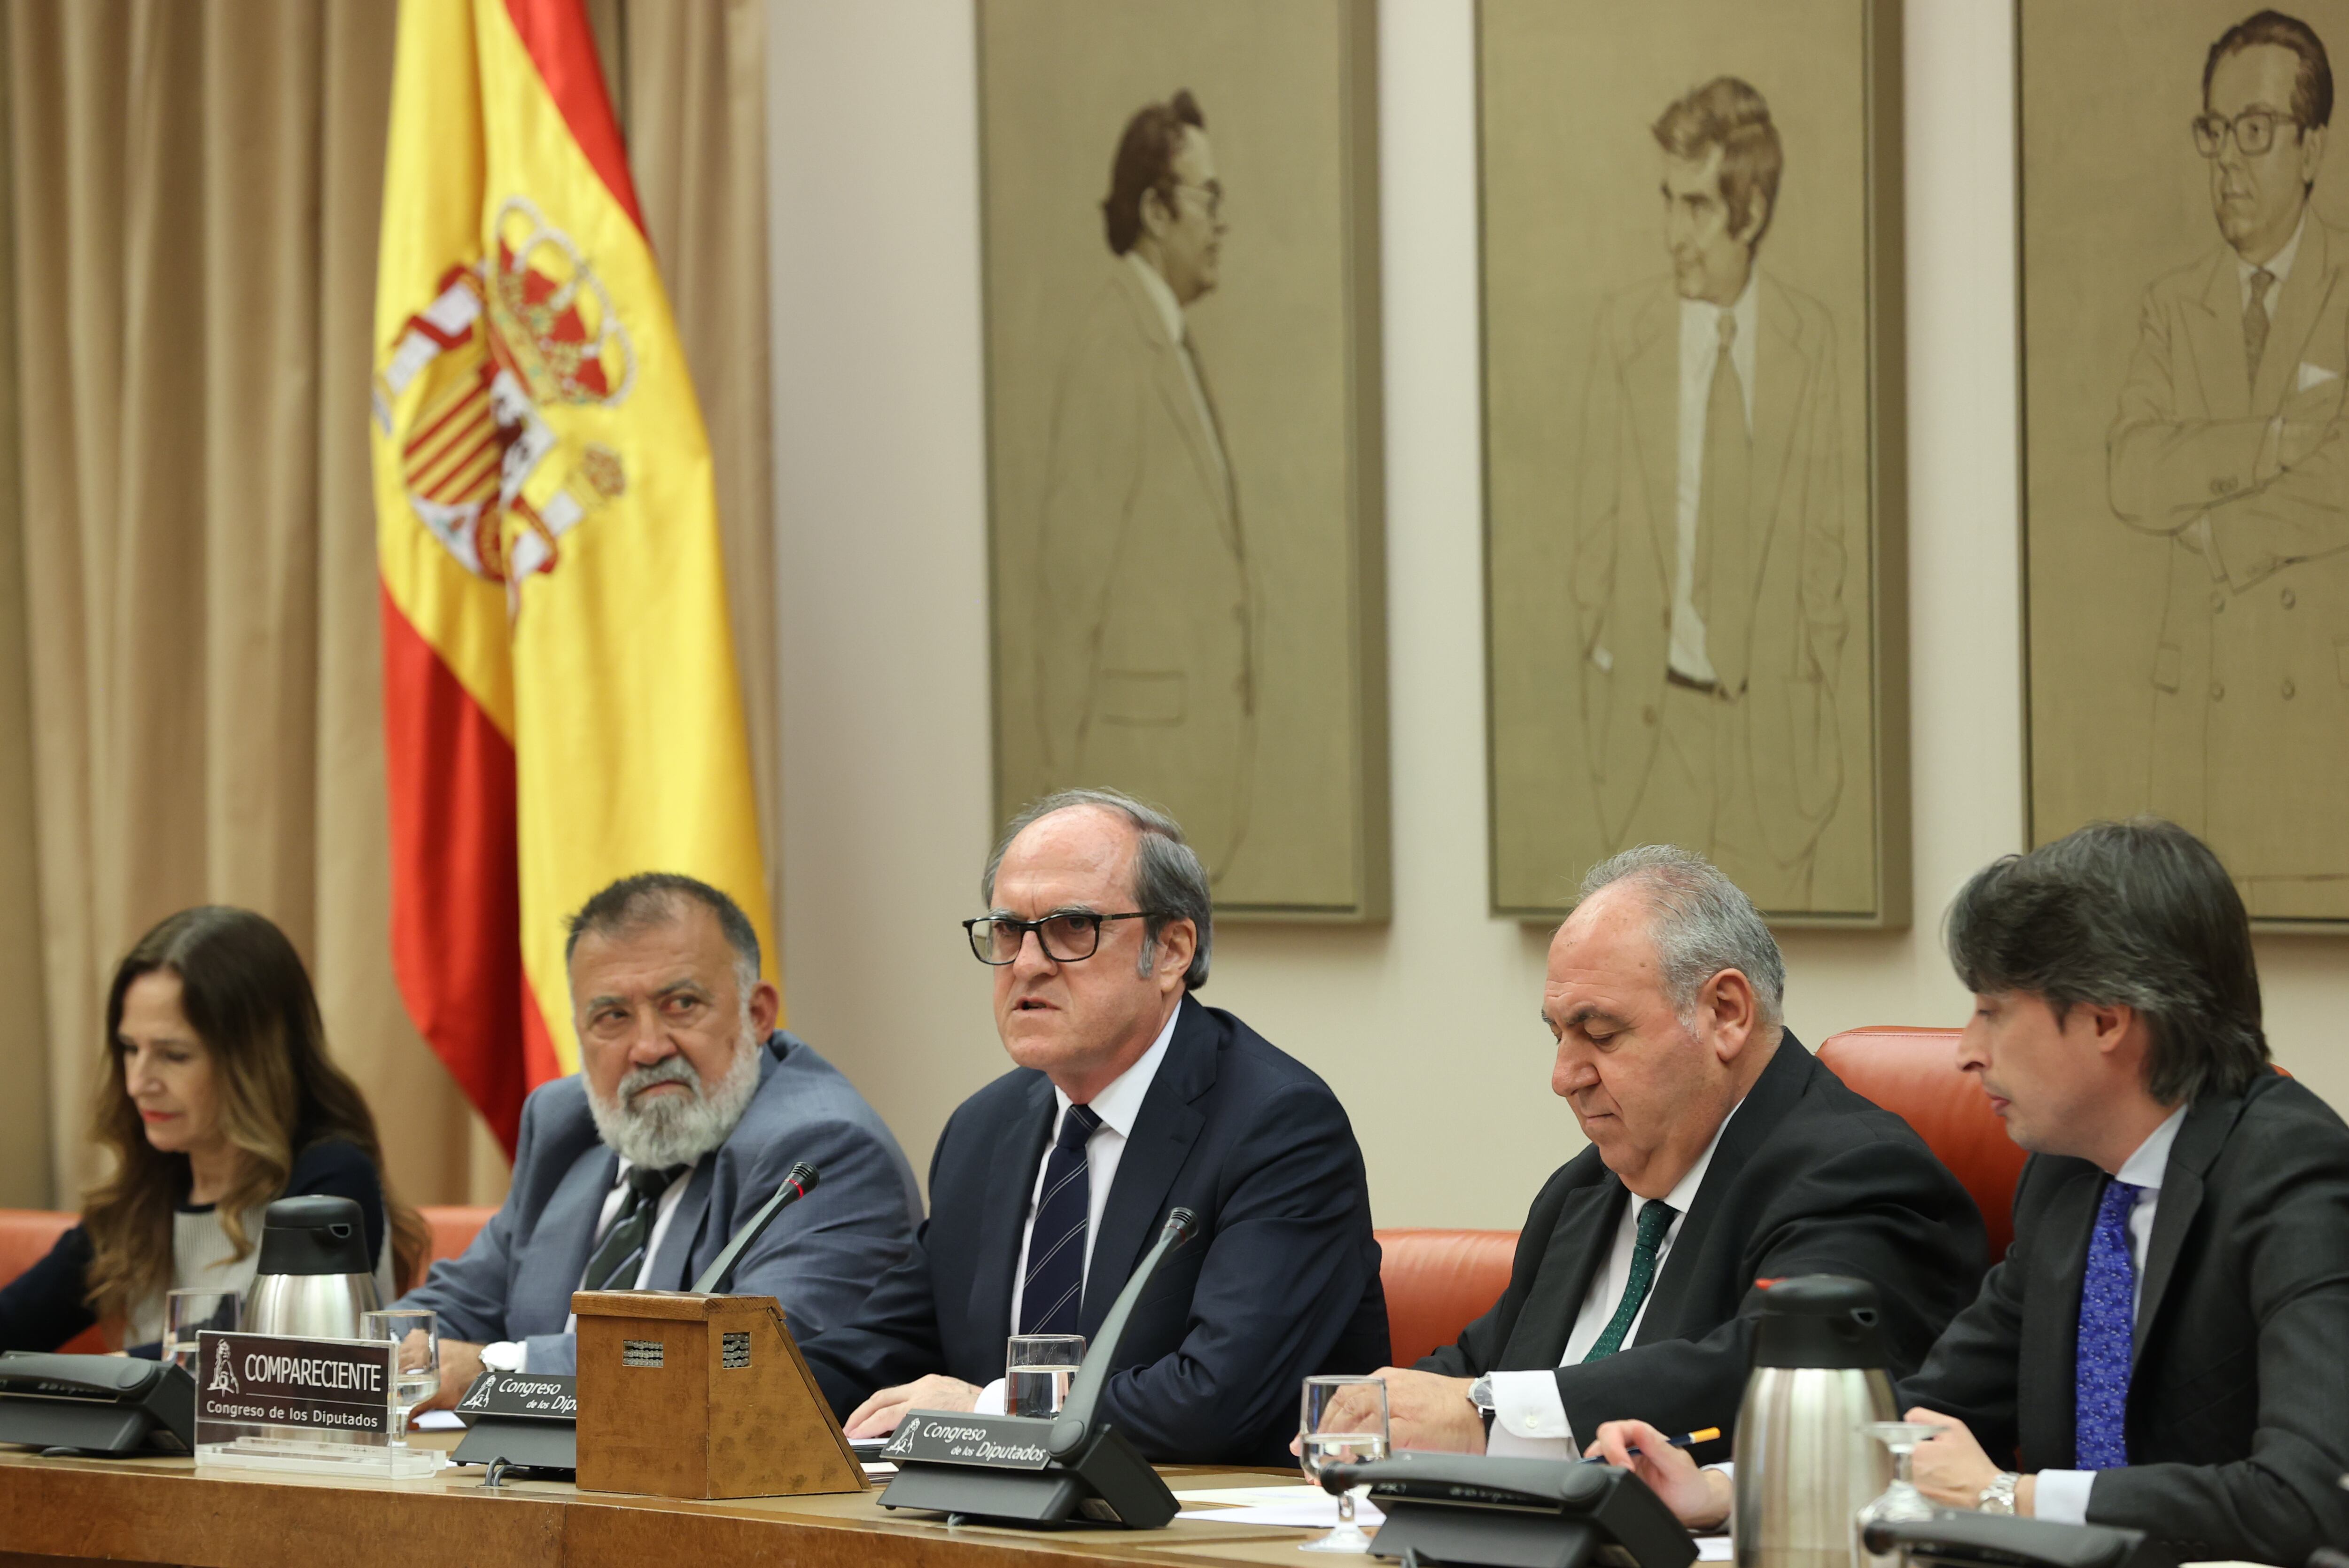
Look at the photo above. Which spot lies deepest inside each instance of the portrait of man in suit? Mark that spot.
(1709, 528)
(1178, 205)
(2227, 451)
(1143, 656)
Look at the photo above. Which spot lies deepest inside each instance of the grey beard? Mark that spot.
(673, 1129)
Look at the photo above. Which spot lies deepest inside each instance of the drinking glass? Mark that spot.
(416, 1376)
(1037, 1371)
(1900, 1502)
(1343, 1422)
(188, 1313)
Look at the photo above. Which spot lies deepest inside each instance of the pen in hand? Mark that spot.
(1686, 1439)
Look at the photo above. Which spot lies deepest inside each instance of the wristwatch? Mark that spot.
(1480, 1394)
(1998, 1497)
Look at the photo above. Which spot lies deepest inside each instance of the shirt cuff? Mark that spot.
(990, 1400)
(1528, 1418)
(2061, 1497)
(506, 1356)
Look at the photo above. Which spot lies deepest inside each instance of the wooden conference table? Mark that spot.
(163, 1511)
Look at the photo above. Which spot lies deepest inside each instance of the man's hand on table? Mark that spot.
(1952, 1469)
(878, 1416)
(459, 1364)
(1424, 1411)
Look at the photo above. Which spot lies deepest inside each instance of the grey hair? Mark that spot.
(654, 898)
(1702, 923)
(1169, 883)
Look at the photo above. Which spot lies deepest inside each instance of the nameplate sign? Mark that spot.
(528, 1395)
(320, 1385)
(959, 1437)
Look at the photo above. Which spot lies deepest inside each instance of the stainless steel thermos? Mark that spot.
(314, 1277)
(1804, 1466)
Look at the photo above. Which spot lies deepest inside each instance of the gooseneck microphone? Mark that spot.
(797, 1183)
(1074, 1424)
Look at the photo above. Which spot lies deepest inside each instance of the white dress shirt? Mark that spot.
(1528, 1417)
(512, 1355)
(2063, 1494)
(1171, 311)
(1117, 1106)
(1700, 352)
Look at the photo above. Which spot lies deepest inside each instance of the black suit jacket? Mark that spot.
(2237, 1419)
(1280, 1282)
(1809, 1177)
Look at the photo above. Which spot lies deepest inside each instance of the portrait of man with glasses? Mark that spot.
(1126, 1097)
(1144, 657)
(2228, 445)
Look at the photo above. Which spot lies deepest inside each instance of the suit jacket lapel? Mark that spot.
(2047, 1359)
(2214, 326)
(565, 1236)
(2298, 304)
(1169, 1124)
(1579, 1245)
(1766, 1105)
(2200, 1137)
(1781, 382)
(1010, 1182)
(1174, 389)
(1654, 379)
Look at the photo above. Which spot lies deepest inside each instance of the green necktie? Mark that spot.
(1655, 1219)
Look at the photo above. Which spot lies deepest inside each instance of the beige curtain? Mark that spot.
(192, 222)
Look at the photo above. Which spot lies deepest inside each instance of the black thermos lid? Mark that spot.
(314, 1235)
(1818, 1320)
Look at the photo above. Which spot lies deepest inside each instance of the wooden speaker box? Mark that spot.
(701, 1396)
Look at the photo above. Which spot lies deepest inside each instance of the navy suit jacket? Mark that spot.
(1280, 1282)
(818, 1259)
(2237, 1415)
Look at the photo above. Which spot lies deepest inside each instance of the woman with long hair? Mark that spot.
(217, 1097)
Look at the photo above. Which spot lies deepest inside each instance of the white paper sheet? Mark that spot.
(1303, 1507)
(1713, 1548)
(436, 1421)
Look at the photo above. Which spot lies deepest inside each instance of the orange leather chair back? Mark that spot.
(1914, 1074)
(26, 1237)
(1438, 1282)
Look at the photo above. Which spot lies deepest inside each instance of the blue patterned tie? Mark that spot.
(2108, 1337)
(1054, 1290)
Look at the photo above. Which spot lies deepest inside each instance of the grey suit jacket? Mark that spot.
(819, 1259)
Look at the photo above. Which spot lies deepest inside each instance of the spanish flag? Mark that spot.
(560, 699)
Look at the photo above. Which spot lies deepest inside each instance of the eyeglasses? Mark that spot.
(1068, 937)
(2254, 130)
(1213, 191)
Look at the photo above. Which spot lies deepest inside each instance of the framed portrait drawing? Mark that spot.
(1694, 553)
(1179, 226)
(2185, 446)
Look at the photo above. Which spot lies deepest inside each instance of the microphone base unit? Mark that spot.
(1478, 1511)
(1001, 1469)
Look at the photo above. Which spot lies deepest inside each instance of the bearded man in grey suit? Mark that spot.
(1710, 541)
(2229, 443)
(1145, 663)
(688, 1109)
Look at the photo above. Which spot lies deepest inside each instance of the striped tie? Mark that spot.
(1053, 1292)
(619, 1262)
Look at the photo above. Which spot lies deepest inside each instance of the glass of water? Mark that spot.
(416, 1376)
(1037, 1371)
(1343, 1422)
(188, 1313)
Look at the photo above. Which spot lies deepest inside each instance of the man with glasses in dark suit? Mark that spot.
(1129, 1098)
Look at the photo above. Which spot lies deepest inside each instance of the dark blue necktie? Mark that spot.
(1053, 1292)
(2108, 1337)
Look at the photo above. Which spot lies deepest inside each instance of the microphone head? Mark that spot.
(1182, 1223)
(804, 1176)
